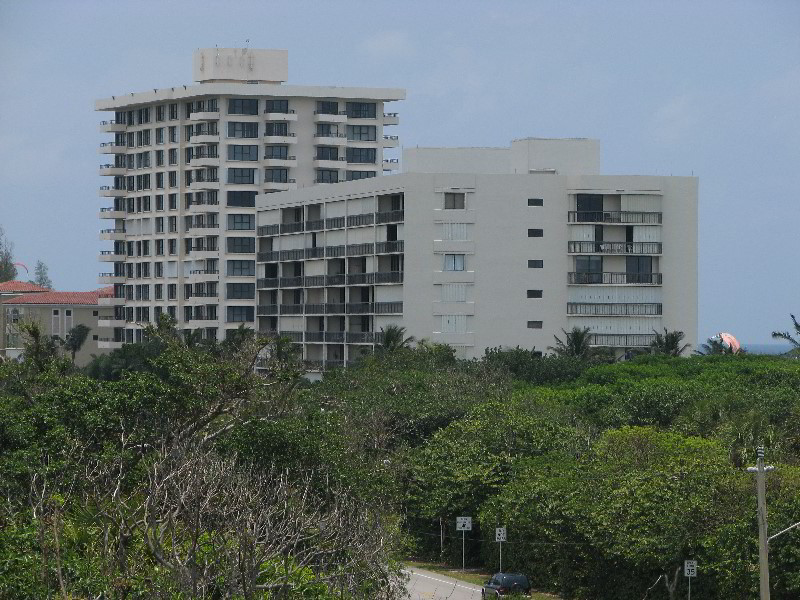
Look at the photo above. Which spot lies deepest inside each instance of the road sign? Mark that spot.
(500, 534)
(463, 523)
(690, 568)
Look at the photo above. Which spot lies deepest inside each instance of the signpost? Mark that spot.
(690, 570)
(500, 537)
(463, 524)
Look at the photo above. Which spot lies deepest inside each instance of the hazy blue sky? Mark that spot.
(709, 88)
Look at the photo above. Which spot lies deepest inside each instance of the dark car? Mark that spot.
(506, 584)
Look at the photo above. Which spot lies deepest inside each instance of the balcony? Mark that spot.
(314, 336)
(208, 183)
(205, 137)
(335, 163)
(264, 230)
(108, 191)
(291, 309)
(333, 139)
(266, 310)
(111, 148)
(289, 115)
(614, 247)
(110, 256)
(110, 278)
(205, 160)
(267, 283)
(288, 162)
(110, 301)
(360, 249)
(289, 138)
(109, 344)
(110, 322)
(204, 253)
(614, 309)
(314, 281)
(204, 206)
(112, 170)
(391, 141)
(389, 277)
(323, 117)
(615, 217)
(360, 220)
(622, 340)
(391, 216)
(394, 247)
(204, 115)
(335, 222)
(280, 186)
(109, 212)
(391, 164)
(111, 127)
(391, 119)
(614, 278)
(112, 234)
(291, 282)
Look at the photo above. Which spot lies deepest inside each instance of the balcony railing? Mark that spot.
(621, 340)
(360, 249)
(315, 225)
(614, 247)
(292, 227)
(360, 278)
(268, 230)
(614, 309)
(331, 308)
(330, 280)
(392, 216)
(334, 222)
(316, 252)
(615, 278)
(615, 216)
(264, 310)
(315, 336)
(389, 277)
(291, 282)
(291, 309)
(389, 247)
(362, 219)
(204, 272)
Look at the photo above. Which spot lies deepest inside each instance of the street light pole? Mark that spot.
(763, 551)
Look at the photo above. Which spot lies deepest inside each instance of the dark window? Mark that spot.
(327, 107)
(242, 267)
(588, 264)
(246, 222)
(241, 290)
(246, 199)
(276, 152)
(453, 200)
(327, 176)
(276, 175)
(243, 106)
(535, 232)
(361, 155)
(276, 106)
(361, 110)
(327, 130)
(241, 175)
(363, 133)
(590, 207)
(535, 202)
(240, 314)
(242, 152)
(534, 293)
(354, 175)
(327, 153)
(534, 324)
(281, 129)
(241, 245)
(639, 264)
(535, 264)
(239, 129)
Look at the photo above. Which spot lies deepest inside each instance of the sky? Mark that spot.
(710, 89)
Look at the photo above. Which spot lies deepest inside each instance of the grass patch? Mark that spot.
(473, 576)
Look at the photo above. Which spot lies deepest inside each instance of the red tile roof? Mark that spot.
(82, 298)
(21, 287)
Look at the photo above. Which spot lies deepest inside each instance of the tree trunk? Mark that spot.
(673, 585)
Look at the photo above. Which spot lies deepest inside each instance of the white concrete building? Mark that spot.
(478, 248)
(186, 164)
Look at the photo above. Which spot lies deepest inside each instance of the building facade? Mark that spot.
(185, 167)
(480, 248)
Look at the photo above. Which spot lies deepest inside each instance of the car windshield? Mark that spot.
(515, 580)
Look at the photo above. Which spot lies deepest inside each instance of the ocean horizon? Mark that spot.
(767, 348)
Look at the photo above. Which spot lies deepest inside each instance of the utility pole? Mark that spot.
(763, 551)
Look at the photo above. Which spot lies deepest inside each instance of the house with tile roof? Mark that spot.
(56, 312)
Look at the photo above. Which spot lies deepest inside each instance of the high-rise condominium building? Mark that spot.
(477, 248)
(188, 163)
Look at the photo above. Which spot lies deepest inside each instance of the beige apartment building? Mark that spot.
(186, 164)
(56, 312)
(480, 247)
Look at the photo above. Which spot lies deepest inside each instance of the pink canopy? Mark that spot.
(730, 341)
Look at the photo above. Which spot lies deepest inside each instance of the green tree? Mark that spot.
(8, 271)
(75, 339)
(575, 343)
(394, 338)
(41, 276)
(714, 346)
(785, 335)
(669, 343)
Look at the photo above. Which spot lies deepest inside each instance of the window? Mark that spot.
(173, 111)
(172, 224)
(160, 181)
(161, 112)
(589, 264)
(535, 202)
(241, 175)
(534, 293)
(355, 175)
(327, 107)
(453, 262)
(454, 231)
(173, 178)
(276, 175)
(241, 291)
(361, 110)
(173, 201)
(55, 325)
(158, 267)
(160, 135)
(327, 176)
(159, 158)
(454, 323)
(173, 156)
(535, 232)
(327, 130)
(240, 314)
(159, 201)
(361, 155)
(243, 106)
(281, 152)
(241, 268)
(276, 129)
(173, 135)
(454, 200)
(246, 222)
(172, 246)
(239, 245)
(362, 133)
(534, 324)
(244, 199)
(327, 153)
(535, 264)
(454, 292)
(276, 106)
(242, 152)
(67, 320)
(172, 291)
(238, 129)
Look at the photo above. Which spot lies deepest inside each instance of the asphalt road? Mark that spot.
(424, 585)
